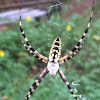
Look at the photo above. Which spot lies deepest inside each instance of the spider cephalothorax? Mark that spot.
(54, 59)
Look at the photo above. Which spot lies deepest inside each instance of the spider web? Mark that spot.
(14, 84)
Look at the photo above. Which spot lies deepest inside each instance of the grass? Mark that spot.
(18, 68)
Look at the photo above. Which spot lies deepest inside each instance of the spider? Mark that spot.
(54, 60)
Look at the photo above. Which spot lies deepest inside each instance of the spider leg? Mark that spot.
(63, 59)
(78, 49)
(39, 56)
(22, 31)
(36, 83)
(66, 82)
(68, 56)
(36, 54)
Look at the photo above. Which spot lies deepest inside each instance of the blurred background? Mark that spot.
(43, 21)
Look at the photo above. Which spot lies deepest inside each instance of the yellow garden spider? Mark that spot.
(54, 59)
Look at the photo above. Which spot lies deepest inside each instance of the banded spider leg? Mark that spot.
(36, 83)
(65, 58)
(76, 51)
(66, 82)
(35, 53)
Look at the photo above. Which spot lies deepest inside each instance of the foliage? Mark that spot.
(17, 68)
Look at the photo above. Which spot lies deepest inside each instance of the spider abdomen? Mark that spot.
(55, 50)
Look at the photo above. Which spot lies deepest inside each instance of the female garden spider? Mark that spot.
(54, 59)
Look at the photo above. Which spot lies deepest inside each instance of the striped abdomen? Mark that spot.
(55, 51)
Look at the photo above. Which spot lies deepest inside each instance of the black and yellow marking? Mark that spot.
(36, 83)
(55, 50)
(66, 82)
(66, 57)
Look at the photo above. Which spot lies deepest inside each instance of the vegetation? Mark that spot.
(18, 68)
